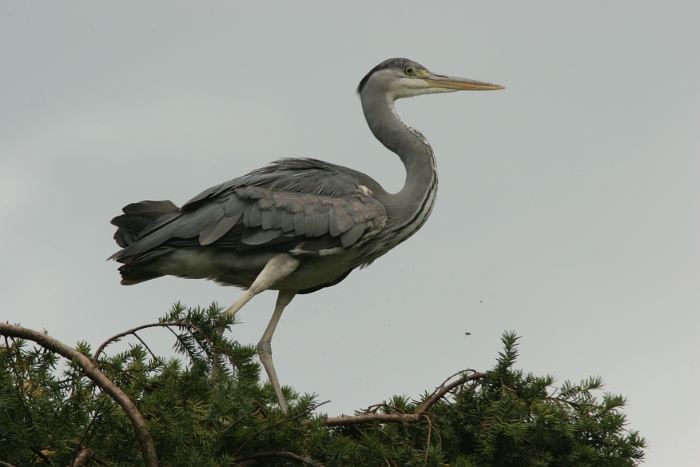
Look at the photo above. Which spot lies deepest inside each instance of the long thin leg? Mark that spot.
(265, 347)
(277, 268)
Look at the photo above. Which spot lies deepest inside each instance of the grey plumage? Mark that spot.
(295, 225)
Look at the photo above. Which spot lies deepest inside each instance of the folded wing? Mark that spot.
(301, 206)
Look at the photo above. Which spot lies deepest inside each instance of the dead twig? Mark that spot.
(153, 356)
(154, 325)
(90, 368)
(439, 393)
(42, 455)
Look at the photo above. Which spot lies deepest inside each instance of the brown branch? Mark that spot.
(82, 459)
(153, 325)
(142, 434)
(153, 356)
(440, 392)
(289, 455)
(5, 464)
(42, 455)
(97, 460)
(405, 418)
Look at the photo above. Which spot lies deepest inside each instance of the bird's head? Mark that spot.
(400, 77)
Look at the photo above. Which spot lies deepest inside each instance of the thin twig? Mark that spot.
(97, 460)
(153, 325)
(82, 437)
(289, 455)
(90, 368)
(459, 373)
(427, 443)
(153, 356)
(374, 407)
(277, 424)
(5, 464)
(445, 389)
(405, 418)
(42, 455)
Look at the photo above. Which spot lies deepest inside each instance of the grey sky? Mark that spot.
(568, 210)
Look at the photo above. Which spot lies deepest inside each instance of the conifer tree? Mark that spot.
(209, 408)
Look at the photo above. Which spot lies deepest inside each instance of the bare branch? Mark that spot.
(97, 460)
(288, 455)
(153, 356)
(142, 434)
(5, 464)
(440, 393)
(373, 417)
(154, 325)
(82, 458)
(405, 418)
(42, 455)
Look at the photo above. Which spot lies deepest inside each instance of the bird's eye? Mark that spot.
(408, 70)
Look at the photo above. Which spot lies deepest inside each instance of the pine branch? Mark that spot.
(77, 454)
(404, 418)
(154, 325)
(142, 434)
(286, 420)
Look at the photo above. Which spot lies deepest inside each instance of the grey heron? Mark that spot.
(296, 225)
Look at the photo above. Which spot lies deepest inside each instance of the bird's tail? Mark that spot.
(138, 218)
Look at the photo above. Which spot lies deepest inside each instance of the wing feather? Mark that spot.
(234, 205)
(352, 235)
(277, 217)
(215, 230)
(255, 216)
(287, 221)
(299, 223)
(192, 223)
(267, 216)
(345, 221)
(259, 236)
(333, 223)
(289, 203)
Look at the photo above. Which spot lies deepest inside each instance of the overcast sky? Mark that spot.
(569, 208)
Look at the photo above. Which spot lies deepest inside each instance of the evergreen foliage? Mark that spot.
(211, 409)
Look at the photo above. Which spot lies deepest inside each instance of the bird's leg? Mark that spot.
(265, 348)
(277, 268)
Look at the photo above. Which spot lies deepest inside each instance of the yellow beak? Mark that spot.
(450, 82)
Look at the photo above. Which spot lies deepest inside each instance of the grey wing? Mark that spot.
(281, 217)
(306, 223)
(310, 176)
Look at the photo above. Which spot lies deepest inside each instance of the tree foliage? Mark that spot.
(210, 408)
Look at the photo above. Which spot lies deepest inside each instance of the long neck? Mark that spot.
(409, 208)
